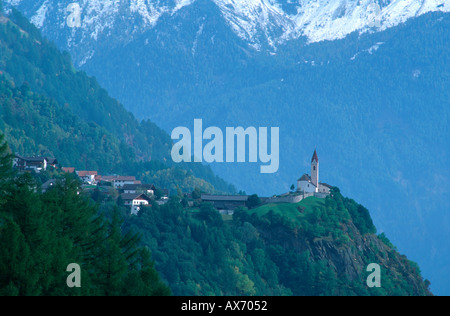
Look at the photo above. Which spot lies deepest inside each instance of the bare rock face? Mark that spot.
(348, 258)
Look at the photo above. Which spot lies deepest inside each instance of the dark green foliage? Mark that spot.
(386, 240)
(363, 107)
(41, 234)
(359, 214)
(209, 215)
(253, 201)
(5, 167)
(196, 194)
(272, 253)
(49, 108)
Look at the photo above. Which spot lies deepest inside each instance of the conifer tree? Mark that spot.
(111, 264)
(16, 266)
(5, 168)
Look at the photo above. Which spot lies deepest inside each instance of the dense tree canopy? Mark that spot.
(273, 250)
(42, 234)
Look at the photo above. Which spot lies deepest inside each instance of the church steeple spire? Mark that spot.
(315, 170)
(314, 157)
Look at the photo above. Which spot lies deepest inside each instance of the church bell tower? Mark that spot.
(315, 170)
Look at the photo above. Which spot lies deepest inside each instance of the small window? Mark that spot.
(314, 168)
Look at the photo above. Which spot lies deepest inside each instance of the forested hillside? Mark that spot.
(376, 105)
(42, 234)
(315, 247)
(49, 108)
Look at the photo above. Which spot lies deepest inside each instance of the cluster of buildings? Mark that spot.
(132, 192)
(307, 186)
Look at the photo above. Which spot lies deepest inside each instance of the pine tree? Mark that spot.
(111, 265)
(145, 280)
(154, 285)
(17, 276)
(6, 171)
(25, 207)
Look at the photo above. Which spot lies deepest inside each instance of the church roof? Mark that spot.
(314, 157)
(326, 185)
(305, 177)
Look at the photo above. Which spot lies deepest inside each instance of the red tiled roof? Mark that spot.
(68, 169)
(86, 173)
(118, 178)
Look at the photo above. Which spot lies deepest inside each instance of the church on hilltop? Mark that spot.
(307, 186)
(311, 184)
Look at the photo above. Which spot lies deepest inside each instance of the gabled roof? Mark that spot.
(125, 178)
(305, 177)
(52, 161)
(326, 185)
(32, 159)
(118, 178)
(134, 196)
(68, 169)
(86, 173)
(137, 186)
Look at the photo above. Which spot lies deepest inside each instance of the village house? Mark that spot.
(119, 181)
(148, 189)
(36, 164)
(52, 162)
(135, 201)
(88, 177)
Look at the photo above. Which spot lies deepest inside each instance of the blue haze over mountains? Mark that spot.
(376, 105)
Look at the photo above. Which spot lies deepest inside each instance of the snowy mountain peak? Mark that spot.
(259, 22)
(320, 20)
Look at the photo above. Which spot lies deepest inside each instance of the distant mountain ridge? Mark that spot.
(376, 104)
(262, 24)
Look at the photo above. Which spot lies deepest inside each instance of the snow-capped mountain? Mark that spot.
(259, 22)
(319, 20)
(381, 94)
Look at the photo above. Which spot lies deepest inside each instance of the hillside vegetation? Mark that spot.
(315, 247)
(49, 108)
(43, 234)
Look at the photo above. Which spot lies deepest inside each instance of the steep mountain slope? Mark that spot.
(315, 247)
(374, 103)
(49, 108)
